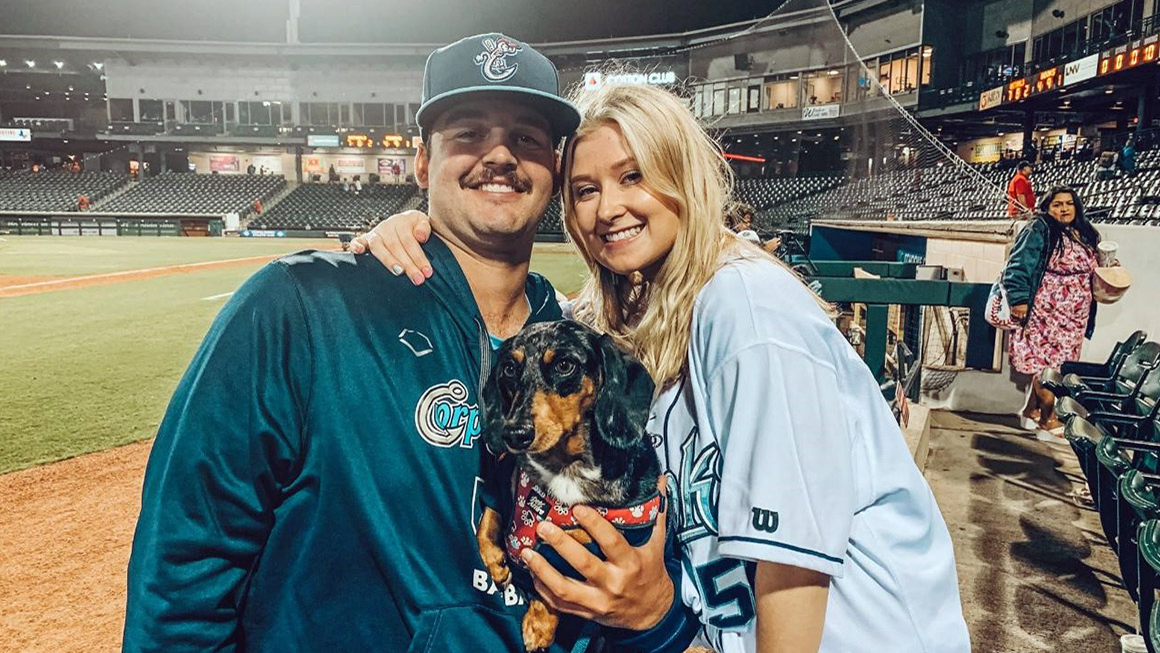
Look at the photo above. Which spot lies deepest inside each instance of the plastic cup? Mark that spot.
(1107, 253)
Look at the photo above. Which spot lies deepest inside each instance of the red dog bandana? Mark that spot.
(534, 505)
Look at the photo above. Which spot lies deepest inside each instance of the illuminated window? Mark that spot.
(781, 94)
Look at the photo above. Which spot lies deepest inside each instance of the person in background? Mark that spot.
(1106, 169)
(1048, 279)
(739, 219)
(1128, 157)
(250, 169)
(1020, 196)
(332, 174)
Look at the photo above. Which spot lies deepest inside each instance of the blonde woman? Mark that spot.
(803, 520)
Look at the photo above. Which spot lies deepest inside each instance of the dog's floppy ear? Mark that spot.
(623, 403)
(491, 413)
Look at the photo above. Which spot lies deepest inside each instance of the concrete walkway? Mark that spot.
(1034, 569)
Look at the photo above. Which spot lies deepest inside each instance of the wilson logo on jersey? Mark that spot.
(765, 520)
(444, 418)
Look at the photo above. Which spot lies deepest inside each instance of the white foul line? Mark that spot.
(112, 275)
(213, 297)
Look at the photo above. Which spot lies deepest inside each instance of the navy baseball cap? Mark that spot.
(494, 63)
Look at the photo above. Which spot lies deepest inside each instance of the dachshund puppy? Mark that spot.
(570, 408)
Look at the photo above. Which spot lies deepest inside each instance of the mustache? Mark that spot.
(518, 183)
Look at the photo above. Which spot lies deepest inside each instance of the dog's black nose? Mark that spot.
(518, 438)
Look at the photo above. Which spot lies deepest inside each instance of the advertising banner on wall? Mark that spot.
(322, 140)
(991, 99)
(1081, 70)
(349, 165)
(272, 164)
(312, 164)
(15, 134)
(821, 112)
(595, 79)
(224, 163)
(387, 165)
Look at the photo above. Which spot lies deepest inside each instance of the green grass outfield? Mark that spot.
(87, 369)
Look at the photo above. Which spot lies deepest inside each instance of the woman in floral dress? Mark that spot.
(1048, 280)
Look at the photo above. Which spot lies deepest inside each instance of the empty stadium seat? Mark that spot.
(193, 194)
(329, 207)
(54, 190)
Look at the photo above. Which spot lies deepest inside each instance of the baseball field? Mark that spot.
(94, 335)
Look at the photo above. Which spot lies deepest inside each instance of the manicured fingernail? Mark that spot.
(547, 529)
(396, 270)
(526, 556)
(427, 271)
(581, 511)
(417, 279)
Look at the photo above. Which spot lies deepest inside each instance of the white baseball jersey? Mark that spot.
(781, 448)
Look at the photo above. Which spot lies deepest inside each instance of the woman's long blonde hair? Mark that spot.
(682, 166)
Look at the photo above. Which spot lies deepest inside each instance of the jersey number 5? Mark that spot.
(726, 586)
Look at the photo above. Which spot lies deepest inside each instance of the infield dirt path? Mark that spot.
(65, 531)
(14, 286)
(65, 534)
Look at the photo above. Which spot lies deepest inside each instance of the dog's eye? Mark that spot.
(508, 369)
(565, 367)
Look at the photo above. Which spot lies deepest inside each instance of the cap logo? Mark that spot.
(493, 61)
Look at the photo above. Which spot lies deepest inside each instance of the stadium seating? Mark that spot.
(54, 190)
(191, 194)
(328, 206)
(949, 192)
(1116, 437)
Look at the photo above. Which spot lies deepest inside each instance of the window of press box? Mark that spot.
(151, 110)
(734, 100)
(257, 113)
(902, 72)
(121, 110)
(781, 92)
(201, 111)
(1119, 20)
(822, 86)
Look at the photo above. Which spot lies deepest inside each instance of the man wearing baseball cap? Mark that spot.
(276, 518)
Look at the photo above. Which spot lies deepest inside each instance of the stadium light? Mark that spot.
(30, 63)
(98, 65)
(58, 64)
(3, 63)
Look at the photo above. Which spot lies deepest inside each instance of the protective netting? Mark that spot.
(869, 158)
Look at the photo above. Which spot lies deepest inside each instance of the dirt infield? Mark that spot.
(14, 286)
(7, 280)
(65, 531)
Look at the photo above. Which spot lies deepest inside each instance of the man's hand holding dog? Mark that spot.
(630, 589)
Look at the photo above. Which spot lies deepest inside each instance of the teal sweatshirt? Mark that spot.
(314, 485)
